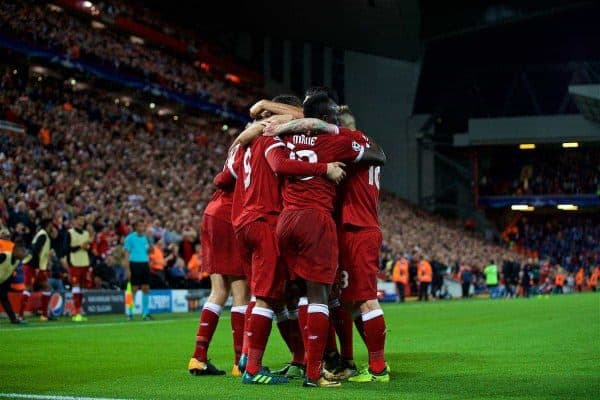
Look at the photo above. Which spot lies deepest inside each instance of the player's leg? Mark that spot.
(342, 320)
(76, 277)
(289, 328)
(42, 279)
(268, 283)
(29, 274)
(4, 289)
(374, 328)
(359, 295)
(341, 365)
(209, 318)
(145, 287)
(311, 238)
(331, 355)
(136, 282)
(240, 293)
(317, 331)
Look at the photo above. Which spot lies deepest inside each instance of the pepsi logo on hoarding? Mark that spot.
(56, 305)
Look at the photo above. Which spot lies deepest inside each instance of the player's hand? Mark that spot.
(335, 171)
(256, 109)
(271, 129)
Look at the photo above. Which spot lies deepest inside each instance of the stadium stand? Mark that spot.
(547, 172)
(85, 151)
(63, 32)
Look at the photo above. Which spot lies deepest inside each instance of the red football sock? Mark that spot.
(209, 318)
(258, 334)
(247, 320)
(238, 318)
(318, 326)
(303, 321)
(290, 332)
(342, 321)
(45, 302)
(77, 296)
(25, 295)
(374, 324)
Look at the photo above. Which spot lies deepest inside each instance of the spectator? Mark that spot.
(491, 278)
(466, 278)
(400, 277)
(424, 276)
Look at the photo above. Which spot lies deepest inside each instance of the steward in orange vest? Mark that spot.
(400, 278)
(424, 275)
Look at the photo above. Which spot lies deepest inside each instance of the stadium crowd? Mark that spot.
(84, 153)
(71, 36)
(571, 242)
(548, 172)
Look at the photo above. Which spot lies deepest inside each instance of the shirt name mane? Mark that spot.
(303, 139)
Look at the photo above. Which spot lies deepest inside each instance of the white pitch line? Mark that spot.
(49, 397)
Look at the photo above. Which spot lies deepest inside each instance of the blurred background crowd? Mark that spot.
(85, 150)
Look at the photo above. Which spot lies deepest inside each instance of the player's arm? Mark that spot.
(256, 128)
(278, 157)
(224, 179)
(275, 108)
(247, 136)
(300, 126)
(127, 251)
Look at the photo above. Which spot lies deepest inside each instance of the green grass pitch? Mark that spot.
(541, 348)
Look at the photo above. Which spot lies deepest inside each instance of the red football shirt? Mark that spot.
(221, 202)
(315, 191)
(360, 191)
(261, 161)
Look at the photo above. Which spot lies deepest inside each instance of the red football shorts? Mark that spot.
(220, 253)
(308, 244)
(34, 275)
(80, 276)
(359, 263)
(258, 243)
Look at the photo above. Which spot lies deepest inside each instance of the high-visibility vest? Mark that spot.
(8, 266)
(579, 277)
(400, 272)
(79, 257)
(593, 279)
(559, 279)
(44, 256)
(425, 274)
(6, 245)
(157, 259)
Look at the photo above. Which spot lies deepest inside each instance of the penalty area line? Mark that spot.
(50, 397)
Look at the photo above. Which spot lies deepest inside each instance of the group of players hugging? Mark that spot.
(292, 233)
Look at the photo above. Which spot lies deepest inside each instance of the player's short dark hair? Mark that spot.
(331, 93)
(288, 99)
(314, 105)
